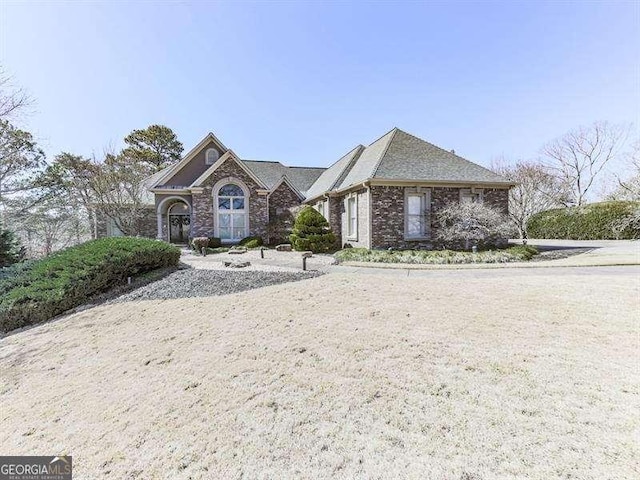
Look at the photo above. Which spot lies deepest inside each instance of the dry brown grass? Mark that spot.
(342, 376)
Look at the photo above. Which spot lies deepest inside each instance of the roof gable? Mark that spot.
(285, 181)
(301, 178)
(333, 176)
(206, 142)
(231, 157)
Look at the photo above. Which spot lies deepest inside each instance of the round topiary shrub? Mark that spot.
(311, 232)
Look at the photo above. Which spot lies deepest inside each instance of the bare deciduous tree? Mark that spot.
(536, 190)
(629, 188)
(120, 192)
(50, 224)
(12, 99)
(579, 157)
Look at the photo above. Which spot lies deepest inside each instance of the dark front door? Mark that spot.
(179, 228)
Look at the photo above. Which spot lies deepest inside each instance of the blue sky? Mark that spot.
(305, 82)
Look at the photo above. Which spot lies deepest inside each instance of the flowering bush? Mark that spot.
(472, 223)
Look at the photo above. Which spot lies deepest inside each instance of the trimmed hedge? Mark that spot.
(38, 290)
(518, 253)
(596, 221)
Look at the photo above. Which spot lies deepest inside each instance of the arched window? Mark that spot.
(232, 212)
(211, 156)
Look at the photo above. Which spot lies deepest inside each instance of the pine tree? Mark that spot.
(10, 249)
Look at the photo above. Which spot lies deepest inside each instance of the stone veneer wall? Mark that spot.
(203, 223)
(387, 204)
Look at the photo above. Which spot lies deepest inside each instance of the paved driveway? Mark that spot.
(605, 252)
(632, 272)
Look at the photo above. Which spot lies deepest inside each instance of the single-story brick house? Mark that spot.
(379, 196)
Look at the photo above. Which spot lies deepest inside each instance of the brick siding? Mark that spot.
(387, 204)
(203, 223)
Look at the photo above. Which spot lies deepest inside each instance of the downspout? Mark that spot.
(370, 245)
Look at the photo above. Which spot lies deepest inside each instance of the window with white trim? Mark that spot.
(211, 156)
(113, 230)
(322, 208)
(232, 213)
(470, 196)
(352, 216)
(417, 214)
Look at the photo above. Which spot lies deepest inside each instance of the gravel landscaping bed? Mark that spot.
(204, 283)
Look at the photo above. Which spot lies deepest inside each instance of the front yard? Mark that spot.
(453, 376)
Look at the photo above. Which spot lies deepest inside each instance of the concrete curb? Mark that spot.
(481, 266)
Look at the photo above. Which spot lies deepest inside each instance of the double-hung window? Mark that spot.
(321, 207)
(352, 217)
(470, 196)
(417, 214)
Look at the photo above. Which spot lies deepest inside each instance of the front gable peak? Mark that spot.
(194, 163)
(229, 156)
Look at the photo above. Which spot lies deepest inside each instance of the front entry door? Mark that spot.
(179, 228)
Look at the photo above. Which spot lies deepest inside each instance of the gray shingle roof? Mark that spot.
(335, 174)
(409, 157)
(147, 196)
(398, 155)
(370, 157)
(271, 172)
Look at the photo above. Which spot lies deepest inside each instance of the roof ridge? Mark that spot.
(345, 171)
(383, 135)
(263, 161)
(395, 130)
(340, 158)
